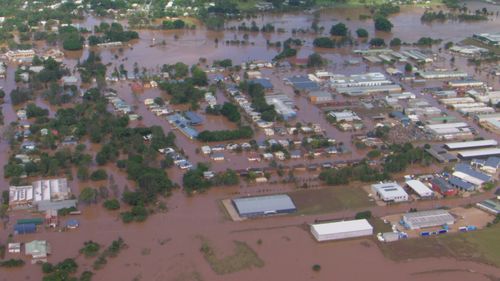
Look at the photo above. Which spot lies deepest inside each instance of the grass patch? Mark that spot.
(330, 199)
(479, 246)
(243, 257)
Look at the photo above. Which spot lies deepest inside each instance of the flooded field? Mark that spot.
(167, 246)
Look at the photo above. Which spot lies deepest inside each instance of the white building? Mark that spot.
(390, 192)
(420, 188)
(341, 230)
(346, 116)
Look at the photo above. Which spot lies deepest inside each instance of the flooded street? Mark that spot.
(167, 246)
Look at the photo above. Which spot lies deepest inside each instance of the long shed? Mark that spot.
(341, 230)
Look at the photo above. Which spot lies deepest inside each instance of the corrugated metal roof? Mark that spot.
(263, 204)
(341, 227)
(469, 144)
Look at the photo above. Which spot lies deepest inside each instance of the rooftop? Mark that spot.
(264, 204)
(341, 226)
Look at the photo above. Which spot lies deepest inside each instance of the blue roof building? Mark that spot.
(461, 184)
(302, 82)
(194, 119)
(265, 83)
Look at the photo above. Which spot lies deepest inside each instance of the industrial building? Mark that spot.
(424, 219)
(422, 190)
(442, 74)
(318, 97)
(302, 83)
(470, 144)
(50, 193)
(344, 116)
(467, 173)
(341, 230)
(390, 192)
(283, 105)
(479, 153)
(490, 205)
(487, 38)
(442, 186)
(449, 131)
(264, 205)
(360, 91)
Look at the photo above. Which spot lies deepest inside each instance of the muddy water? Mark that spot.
(171, 237)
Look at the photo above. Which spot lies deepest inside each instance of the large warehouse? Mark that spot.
(425, 219)
(264, 205)
(471, 144)
(341, 230)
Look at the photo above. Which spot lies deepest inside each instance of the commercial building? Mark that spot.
(341, 230)
(359, 80)
(20, 55)
(344, 116)
(468, 50)
(265, 83)
(182, 123)
(194, 119)
(448, 131)
(422, 190)
(489, 121)
(318, 97)
(479, 153)
(302, 83)
(442, 74)
(361, 91)
(41, 192)
(38, 250)
(490, 205)
(283, 105)
(487, 38)
(264, 205)
(490, 165)
(424, 219)
(442, 186)
(467, 173)
(471, 144)
(465, 83)
(390, 192)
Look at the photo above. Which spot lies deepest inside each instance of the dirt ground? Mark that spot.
(463, 217)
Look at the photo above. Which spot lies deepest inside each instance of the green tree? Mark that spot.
(339, 29)
(111, 204)
(315, 60)
(395, 42)
(362, 33)
(88, 195)
(383, 24)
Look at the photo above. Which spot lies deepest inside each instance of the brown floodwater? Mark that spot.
(166, 247)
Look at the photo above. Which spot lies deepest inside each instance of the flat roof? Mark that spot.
(263, 204)
(389, 189)
(470, 144)
(479, 152)
(447, 125)
(419, 187)
(341, 227)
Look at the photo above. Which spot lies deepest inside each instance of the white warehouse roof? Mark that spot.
(341, 229)
(479, 153)
(471, 144)
(390, 191)
(421, 189)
